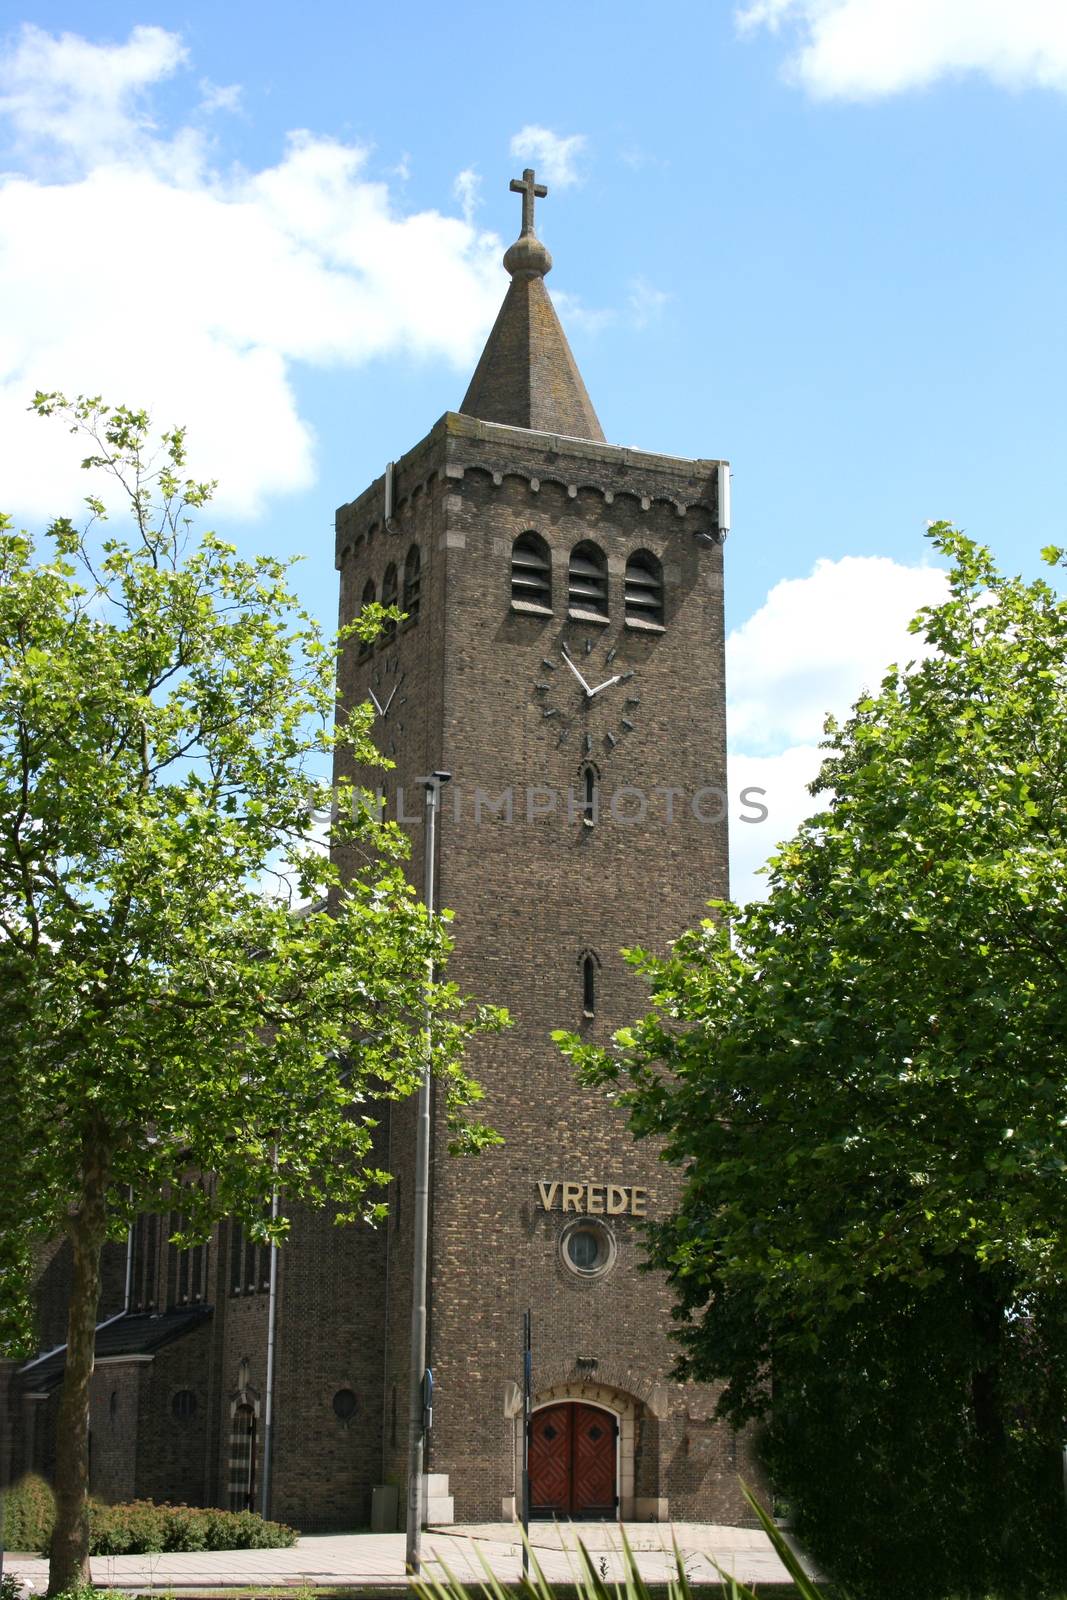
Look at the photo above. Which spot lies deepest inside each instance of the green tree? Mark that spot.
(165, 712)
(863, 1080)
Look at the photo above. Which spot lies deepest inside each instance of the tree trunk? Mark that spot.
(987, 1317)
(87, 1229)
(987, 1408)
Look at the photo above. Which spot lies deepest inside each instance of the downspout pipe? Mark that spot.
(268, 1387)
(419, 1387)
(128, 1296)
(390, 497)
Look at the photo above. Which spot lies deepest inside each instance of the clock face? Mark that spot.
(386, 695)
(585, 697)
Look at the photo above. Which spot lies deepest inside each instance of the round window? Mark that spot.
(183, 1405)
(344, 1405)
(587, 1248)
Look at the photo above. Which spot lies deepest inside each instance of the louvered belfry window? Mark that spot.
(389, 596)
(368, 600)
(587, 584)
(644, 588)
(531, 571)
(412, 582)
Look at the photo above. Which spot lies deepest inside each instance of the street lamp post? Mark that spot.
(418, 1398)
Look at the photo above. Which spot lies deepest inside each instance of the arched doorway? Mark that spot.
(573, 1461)
(243, 1458)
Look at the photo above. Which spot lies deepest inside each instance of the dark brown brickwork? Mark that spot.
(330, 1338)
(171, 1450)
(116, 1418)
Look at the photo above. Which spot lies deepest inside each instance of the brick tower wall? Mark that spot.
(530, 898)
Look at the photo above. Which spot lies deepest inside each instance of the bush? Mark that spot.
(187, 1529)
(144, 1528)
(140, 1528)
(29, 1511)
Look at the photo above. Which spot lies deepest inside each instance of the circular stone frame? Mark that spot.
(607, 1247)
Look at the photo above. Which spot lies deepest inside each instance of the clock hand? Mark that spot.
(577, 674)
(388, 703)
(377, 704)
(601, 686)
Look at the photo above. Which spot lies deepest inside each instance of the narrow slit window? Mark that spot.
(369, 593)
(589, 795)
(531, 573)
(589, 986)
(390, 596)
(644, 589)
(184, 1266)
(197, 1272)
(412, 582)
(587, 581)
(237, 1251)
(251, 1275)
(174, 1223)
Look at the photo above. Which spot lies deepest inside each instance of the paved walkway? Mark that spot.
(376, 1560)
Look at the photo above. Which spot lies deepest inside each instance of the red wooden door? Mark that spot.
(572, 1461)
(593, 1475)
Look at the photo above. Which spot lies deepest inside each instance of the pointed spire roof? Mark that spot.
(527, 376)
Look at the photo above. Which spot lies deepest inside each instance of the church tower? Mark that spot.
(562, 659)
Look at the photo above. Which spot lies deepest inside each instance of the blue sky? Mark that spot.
(824, 238)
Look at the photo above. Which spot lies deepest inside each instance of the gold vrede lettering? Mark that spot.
(593, 1199)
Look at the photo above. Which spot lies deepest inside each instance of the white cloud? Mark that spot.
(134, 265)
(645, 302)
(862, 49)
(467, 189)
(574, 314)
(219, 96)
(817, 642)
(813, 647)
(778, 784)
(66, 97)
(554, 156)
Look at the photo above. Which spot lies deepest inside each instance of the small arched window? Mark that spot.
(587, 581)
(344, 1405)
(590, 794)
(589, 986)
(183, 1405)
(369, 593)
(644, 589)
(531, 573)
(390, 596)
(412, 582)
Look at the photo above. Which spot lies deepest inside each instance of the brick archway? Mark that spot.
(242, 1455)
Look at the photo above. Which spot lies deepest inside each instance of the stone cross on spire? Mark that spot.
(527, 377)
(528, 189)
